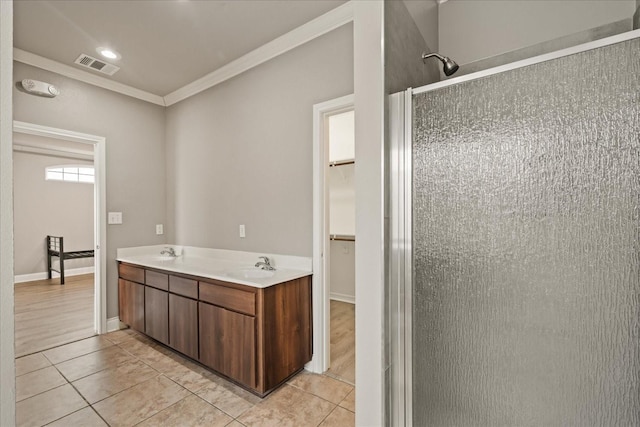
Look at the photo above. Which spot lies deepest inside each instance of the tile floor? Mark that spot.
(125, 379)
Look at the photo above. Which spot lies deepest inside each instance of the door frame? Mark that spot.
(321, 359)
(99, 208)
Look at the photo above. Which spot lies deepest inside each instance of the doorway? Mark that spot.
(47, 141)
(334, 239)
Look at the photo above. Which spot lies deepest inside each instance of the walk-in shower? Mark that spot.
(515, 221)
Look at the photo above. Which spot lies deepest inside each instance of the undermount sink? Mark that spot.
(162, 258)
(250, 273)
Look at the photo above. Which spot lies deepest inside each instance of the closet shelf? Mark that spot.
(342, 237)
(341, 163)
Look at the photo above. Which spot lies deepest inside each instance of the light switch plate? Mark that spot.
(243, 234)
(115, 218)
(159, 229)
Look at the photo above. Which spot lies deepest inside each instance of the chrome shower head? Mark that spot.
(449, 66)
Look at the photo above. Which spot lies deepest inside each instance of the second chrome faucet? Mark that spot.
(265, 264)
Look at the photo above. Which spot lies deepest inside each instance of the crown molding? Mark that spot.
(84, 76)
(315, 28)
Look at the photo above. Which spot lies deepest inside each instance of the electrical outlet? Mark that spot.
(159, 229)
(242, 231)
(114, 218)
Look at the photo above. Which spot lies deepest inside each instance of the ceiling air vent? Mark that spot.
(97, 65)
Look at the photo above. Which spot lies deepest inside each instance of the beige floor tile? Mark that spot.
(161, 361)
(191, 411)
(349, 402)
(31, 363)
(110, 381)
(86, 417)
(322, 386)
(228, 397)
(288, 406)
(154, 355)
(36, 382)
(122, 335)
(140, 402)
(48, 406)
(234, 423)
(75, 349)
(339, 417)
(189, 378)
(91, 363)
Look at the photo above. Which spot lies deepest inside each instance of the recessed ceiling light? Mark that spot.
(108, 53)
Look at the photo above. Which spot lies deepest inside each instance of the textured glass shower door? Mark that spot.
(526, 246)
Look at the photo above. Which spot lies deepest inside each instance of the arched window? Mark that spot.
(70, 173)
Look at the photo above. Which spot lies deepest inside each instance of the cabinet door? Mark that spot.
(183, 325)
(156, 319)
(227, 343)
(131, 304)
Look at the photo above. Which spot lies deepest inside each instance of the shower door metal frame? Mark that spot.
(400, 221)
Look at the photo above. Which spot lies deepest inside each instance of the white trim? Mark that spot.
(52, 152)
(618, 38)
(113, 324)
(68, 272)
(7, 344)
(84, 76)
(351, 299)
(315, 28)
(100, 197)
(370, 99)
(321, 316)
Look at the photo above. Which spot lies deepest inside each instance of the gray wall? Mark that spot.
(404, 46)
(343, 270)
(135, 163)
(470, 30)
(44, 208)
(241, 152)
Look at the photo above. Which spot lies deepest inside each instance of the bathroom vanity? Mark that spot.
(248, 325)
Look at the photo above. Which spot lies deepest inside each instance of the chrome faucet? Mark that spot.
(265, 265)
(169, 251)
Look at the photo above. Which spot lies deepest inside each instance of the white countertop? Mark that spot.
(229, 266)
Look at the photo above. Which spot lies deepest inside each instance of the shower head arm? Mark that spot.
(429, 55)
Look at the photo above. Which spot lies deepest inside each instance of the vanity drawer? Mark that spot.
(131, 273)
(230, 298)
(184, 287)
(157, 280)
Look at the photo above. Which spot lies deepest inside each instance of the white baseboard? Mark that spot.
(351, 299)
(113, 324)
(42, 276)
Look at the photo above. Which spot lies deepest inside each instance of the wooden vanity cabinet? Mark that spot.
(131, 304)
(256, 337)
(156, 315)
(183, 325)
(227, 343)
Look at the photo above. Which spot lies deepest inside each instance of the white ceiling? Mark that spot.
(165, 44)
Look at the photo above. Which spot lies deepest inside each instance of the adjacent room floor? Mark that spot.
(123, 379)
(343, 342)
(48, 314)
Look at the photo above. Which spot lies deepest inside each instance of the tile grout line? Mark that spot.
(82, 396)
(135, 358)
